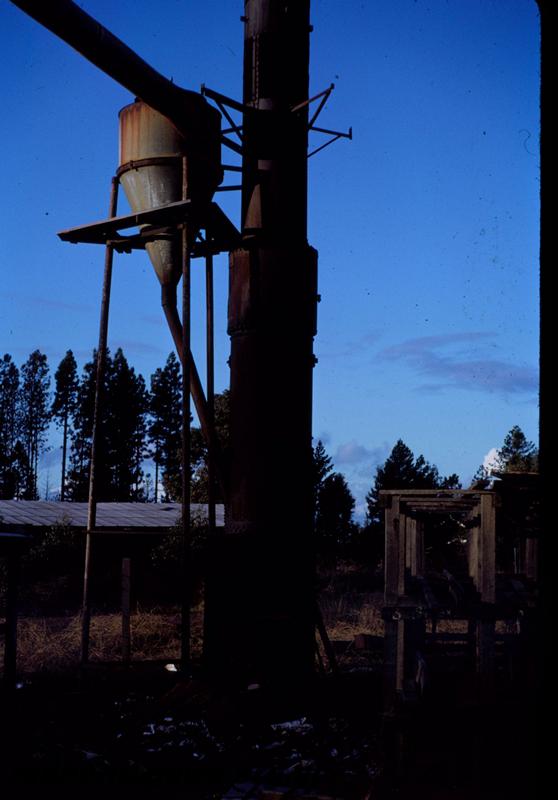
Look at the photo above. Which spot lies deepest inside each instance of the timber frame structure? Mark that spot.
(413, 602)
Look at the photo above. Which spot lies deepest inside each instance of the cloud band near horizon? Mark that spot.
(459, 361)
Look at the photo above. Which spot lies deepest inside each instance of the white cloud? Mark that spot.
(490, 461)
(463, 361)
(351, 453)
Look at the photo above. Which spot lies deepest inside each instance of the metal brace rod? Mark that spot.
(234, 129)
(232, 145)
(323, 101)
(325, 92)
(226, 101)
(348, 135)
(317, 150)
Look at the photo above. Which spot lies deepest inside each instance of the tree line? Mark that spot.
(334, 504)
(137, 423)
(140, 422)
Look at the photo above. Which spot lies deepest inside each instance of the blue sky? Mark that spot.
(426, 223)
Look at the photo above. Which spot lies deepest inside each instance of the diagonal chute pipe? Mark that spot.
(170, 309)
(102, 48)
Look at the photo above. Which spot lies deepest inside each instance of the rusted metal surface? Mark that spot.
(151, 153)
(160, 172)
(221, 234)
(107, 230)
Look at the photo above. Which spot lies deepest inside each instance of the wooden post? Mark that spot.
(531, 557)
(487, 588)
(400, 656)
(126, 631)
(394, 546)
(420, 547)
(402, 554)
(392, 568)
(487, 550)
(392, 662)
(412, 546)
(473, 553)
(408, 542)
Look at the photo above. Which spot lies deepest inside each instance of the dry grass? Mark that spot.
(346, 616)
(349, 601)
(52, 643)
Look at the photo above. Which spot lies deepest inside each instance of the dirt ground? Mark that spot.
(148, 727)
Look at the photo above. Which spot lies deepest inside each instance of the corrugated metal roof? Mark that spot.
(42, 513)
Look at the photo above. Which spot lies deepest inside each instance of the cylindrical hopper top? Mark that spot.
(150, 171)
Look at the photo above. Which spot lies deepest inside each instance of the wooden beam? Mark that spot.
(404, 493)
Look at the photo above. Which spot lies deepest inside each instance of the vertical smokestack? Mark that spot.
(260, 600)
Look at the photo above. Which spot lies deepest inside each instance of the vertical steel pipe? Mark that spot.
(100, 375)
(260, 598)
(210, 367)
(10, 625)
(126, 584)
(186, 379)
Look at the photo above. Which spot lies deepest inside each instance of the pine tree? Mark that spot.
(81, 434)
(127, 406)
(165, 425)
(517, 454)
(199, 451)
(334, 513)
(322, 465)
(12, 472)
(121, 436)
(402, 471)
(34, 415)
(20, 472)
(64, 406)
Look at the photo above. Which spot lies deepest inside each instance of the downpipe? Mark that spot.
(170, 309)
